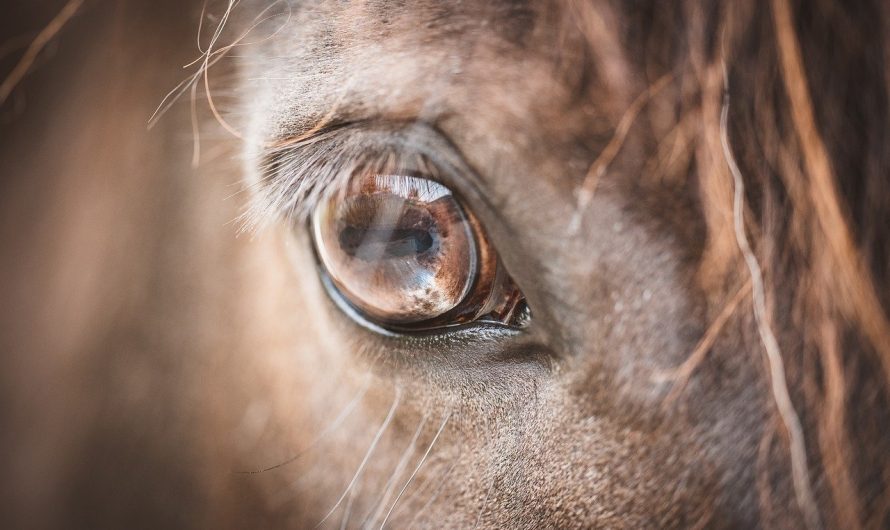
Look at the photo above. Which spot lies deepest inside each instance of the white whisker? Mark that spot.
(347, 410)
(377, 508)
(416, 469)
(436, 492)
(347, 511)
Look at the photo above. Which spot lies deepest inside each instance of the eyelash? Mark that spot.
(297, 177)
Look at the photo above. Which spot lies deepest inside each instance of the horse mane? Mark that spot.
(781, 122)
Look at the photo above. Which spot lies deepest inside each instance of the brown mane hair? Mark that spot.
(799, 93)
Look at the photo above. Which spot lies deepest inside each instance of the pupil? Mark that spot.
(370, 244)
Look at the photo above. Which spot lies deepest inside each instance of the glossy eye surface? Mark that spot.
(404, 253)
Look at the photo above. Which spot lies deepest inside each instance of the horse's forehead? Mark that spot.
(477, 70)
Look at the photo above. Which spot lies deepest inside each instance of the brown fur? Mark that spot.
(165, 372)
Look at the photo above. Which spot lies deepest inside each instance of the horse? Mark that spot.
(497, 264)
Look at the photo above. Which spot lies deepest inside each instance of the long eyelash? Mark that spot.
(295, 178)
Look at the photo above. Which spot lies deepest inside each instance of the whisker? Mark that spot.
(377, 508)
(436, 492)
(347, 410)
(421, 488)
(361, 467)
(416, 469)
(347, 511)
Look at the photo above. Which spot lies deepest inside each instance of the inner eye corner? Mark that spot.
(407, 255)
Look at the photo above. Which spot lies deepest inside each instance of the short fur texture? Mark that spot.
(693, 197)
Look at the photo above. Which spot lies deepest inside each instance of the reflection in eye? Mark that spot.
(403, 251)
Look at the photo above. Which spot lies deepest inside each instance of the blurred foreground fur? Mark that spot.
(122, 309)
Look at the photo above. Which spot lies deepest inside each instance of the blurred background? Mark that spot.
(115, 252)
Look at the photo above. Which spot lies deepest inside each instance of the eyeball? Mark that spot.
(405, 254)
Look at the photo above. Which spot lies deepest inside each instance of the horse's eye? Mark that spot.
(403, 252)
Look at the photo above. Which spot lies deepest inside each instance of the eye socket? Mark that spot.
(405, 254)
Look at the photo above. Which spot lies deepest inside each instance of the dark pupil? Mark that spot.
(384, 243)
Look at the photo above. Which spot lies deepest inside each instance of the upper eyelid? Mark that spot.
(319, 132)
(296, 173)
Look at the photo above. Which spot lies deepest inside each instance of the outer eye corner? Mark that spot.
(406, 255)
